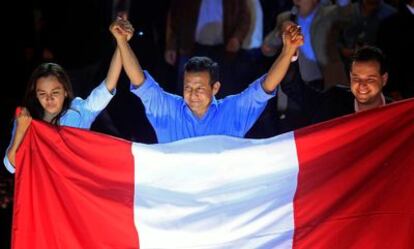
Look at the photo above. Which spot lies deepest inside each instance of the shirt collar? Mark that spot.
(213, 106)
(356, 106)
(309, 17)
(214, 102)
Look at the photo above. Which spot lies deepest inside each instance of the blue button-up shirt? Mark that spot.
(81, 114)
(173, 120)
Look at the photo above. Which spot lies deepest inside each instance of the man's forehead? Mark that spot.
(196, 77)
(197, 73)
(366, 65)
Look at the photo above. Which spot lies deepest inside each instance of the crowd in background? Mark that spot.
(75, 34)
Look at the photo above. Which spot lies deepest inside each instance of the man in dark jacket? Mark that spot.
(211, 28)
(368, 76)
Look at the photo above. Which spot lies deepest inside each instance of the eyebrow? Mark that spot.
(369, 76)
(54, 89)
(196, 83)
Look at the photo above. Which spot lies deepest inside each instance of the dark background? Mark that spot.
(74, 33)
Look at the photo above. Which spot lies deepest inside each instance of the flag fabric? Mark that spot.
(346, 183)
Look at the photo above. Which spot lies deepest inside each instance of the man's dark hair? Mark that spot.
(203, 64)
(370, 53)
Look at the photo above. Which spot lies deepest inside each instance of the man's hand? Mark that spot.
(122, 29)
(233, 45)
(268, 50)
(292, 37)
(170, 57)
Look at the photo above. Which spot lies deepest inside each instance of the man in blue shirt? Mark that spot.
(198, 113)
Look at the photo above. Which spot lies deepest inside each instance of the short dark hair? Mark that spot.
(370, 53)
(203, 64)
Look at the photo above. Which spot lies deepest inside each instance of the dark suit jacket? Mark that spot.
(318, 106)
(398, 50)
(182, 23)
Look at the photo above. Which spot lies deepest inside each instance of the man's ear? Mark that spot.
(384, 79)
(216, 87)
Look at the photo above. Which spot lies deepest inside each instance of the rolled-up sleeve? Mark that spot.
(6, 160)
(255, 90)
(99, 98)
(8, 165)
(148, 89)
(157, 102)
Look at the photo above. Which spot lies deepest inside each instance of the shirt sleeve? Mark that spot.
(255, 92)
(99, 98)
(247, 106)
(148, 89)
(6, 161)
(8, 165)
(343, 2)
(157, 102)
(88, 109)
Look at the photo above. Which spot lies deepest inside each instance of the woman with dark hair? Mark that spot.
(49, 77)
(49, 97)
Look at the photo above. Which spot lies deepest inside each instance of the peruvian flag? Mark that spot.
(347, 183)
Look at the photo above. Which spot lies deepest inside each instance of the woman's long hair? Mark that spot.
(30, 100)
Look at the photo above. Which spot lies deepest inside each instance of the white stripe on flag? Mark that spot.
(216, 192)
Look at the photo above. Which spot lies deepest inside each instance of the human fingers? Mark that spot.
(25, 112)
(17, 111)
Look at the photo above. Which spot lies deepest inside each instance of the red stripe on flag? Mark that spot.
(356, 181)
(86, 205)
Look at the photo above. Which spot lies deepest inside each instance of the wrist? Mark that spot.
(121, 40)
(11, 153)
(289, 51)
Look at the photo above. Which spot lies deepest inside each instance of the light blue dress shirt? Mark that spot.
(173, 120)
(309, 66)
(209, 30)
(81, 114)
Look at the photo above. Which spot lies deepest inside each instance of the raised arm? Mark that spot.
(114, 71)
(115, 67)
(292, 40)
(22, 122)
(119, 30)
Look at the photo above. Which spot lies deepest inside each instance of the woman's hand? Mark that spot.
(23, 120)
